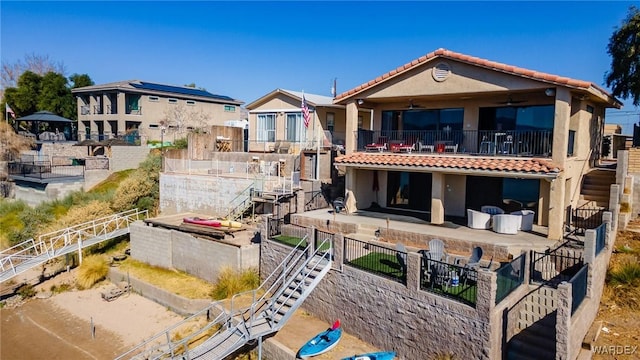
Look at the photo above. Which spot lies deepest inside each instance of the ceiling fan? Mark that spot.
(510, 101)
(413, 106)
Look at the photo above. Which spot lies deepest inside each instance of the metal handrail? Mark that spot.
(244, 195)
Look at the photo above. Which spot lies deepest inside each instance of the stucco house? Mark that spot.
(277, 117)
(151, 110)
(452, 132)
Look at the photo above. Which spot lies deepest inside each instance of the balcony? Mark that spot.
(524, 143)
(134, 110)
(85, 110)
(97, 109)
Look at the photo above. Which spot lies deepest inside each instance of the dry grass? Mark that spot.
(93, 269)
(231, 282)
(174, 281)
(620, 303)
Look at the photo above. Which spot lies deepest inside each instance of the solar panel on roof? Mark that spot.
(178, 90)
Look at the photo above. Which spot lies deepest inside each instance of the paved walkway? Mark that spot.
(536, 239)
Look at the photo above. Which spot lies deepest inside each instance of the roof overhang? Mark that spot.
(524, 168)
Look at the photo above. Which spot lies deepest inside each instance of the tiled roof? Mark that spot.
(509, 69)
(531, 166)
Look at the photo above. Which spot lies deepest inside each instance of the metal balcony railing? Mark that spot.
(529, 143)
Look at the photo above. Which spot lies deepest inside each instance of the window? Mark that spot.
(153, 126)
(133, 104)
(572, 139)
(173, 101)
(191, 102)
(153, 98)
(330, 121)
(266, 128)
(295, 130)
(229, 108)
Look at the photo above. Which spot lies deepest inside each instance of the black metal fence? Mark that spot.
(323, 240)
(274, 226)
(509, 277)
(557, 265)
(379, 260)
(314, 200)
(579, 287)
(601, 233)
(487, 142)
(449, 280)
(583, 218)
(44, 170)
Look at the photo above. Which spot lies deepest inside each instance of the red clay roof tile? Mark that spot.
(532, 166)
(536, 75)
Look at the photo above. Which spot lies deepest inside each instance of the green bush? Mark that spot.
(181, 143)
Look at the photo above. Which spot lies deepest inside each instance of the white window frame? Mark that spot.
(191, 102)
(154, 98)
(299, 132)
(172, 100)
(266, 127)
(230, 108)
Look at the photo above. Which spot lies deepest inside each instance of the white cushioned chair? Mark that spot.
(492, 210)
(526, 216)
(506, 223)
(478, 219)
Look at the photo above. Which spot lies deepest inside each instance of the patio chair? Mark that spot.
(474, 260)
(526, 219)
(506, 223)
(401, 255)
(451, 148)
(284, 147)
(380, 145)
(491, 210)
(436, 251)
(338, 205)
(421, 147)
(478, 219)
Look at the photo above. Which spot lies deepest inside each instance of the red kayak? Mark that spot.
(203, 222)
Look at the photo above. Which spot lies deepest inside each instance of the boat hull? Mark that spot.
(382, 355)
(321, 343)
(201, 222)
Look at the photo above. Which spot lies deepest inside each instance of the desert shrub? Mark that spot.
(624, 207)
(231, 282)
(182, 143)
(627, 272)
(57, 289)
(26, 291)
(93, 269)
(142, 188)
(78, 215)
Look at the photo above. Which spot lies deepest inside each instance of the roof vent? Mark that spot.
(441, 72)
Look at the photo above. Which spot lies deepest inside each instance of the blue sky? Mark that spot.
(247, 49)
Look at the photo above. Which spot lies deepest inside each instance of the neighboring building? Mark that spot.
(129, 109)
(453, 132)
(277, 117)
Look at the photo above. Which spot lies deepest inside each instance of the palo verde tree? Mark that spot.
(624, 48)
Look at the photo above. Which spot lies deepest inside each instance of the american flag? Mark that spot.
(305, 112)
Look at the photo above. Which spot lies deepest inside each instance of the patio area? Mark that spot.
(451, 232)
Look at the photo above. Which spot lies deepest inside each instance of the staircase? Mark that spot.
(32, 253)
(596, 185)
(535, 337)
(227, 330)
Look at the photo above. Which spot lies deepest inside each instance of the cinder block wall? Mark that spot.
(151, 245)
(205, 194)
(197, 256)
(388, 315)
(51, 191)
(127, 157)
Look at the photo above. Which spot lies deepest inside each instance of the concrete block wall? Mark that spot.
(390, 315)
(51, 149)
(94, 177)
(205, 194)
(201, 257)
(197, 256)
(127, 157)
(48, 192)
(176, 303)
(151, 245)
